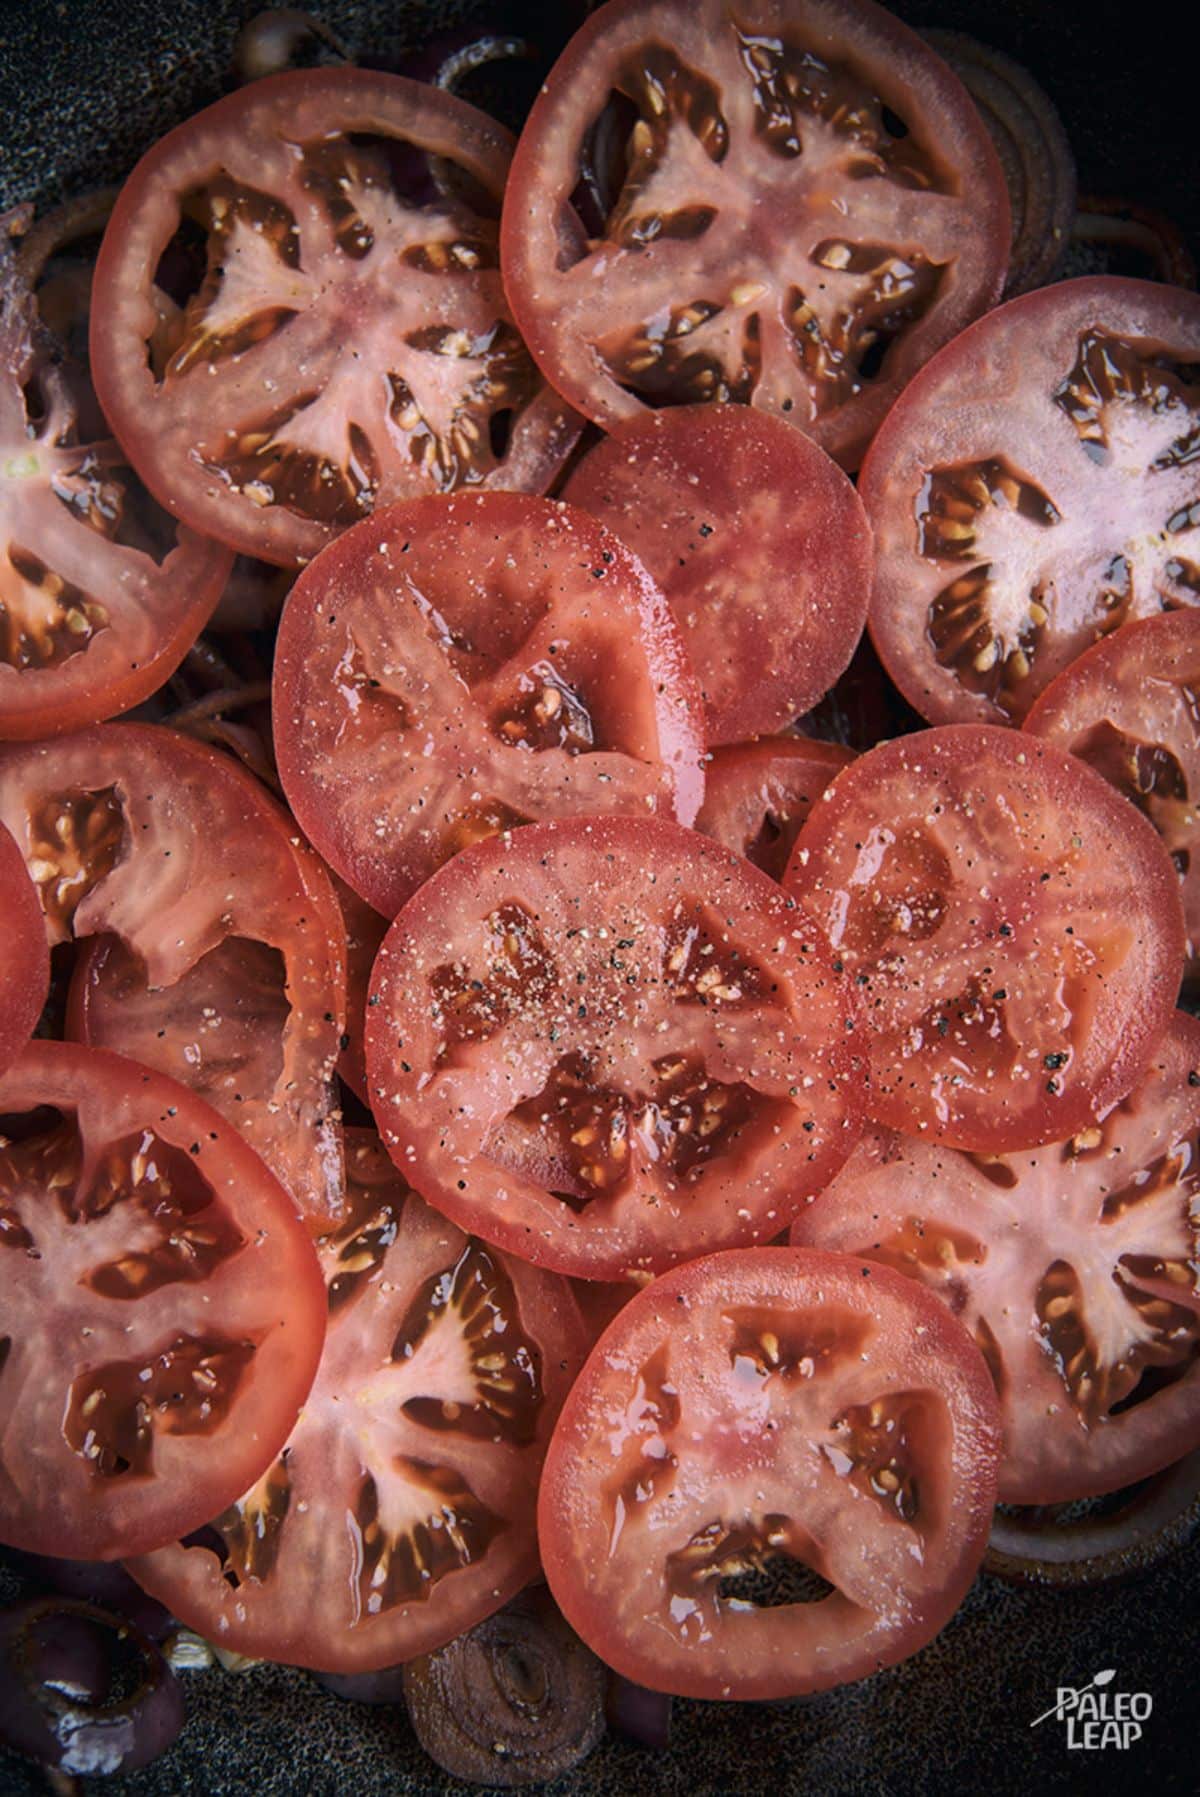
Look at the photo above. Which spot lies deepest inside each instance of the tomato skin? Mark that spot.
(720, 1444)
(1037, 460)
(24, 956)
(766, 223)
(1014, 927)
(263, 1289)
(545, 1065)
(269, 139)
(760, 544)
(215, 950)
(408, 668)
(383, 1409)
(1126, 707)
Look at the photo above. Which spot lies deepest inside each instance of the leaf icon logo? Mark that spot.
(1105, 1678)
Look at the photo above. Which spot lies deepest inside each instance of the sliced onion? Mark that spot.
(1033, 149)
(102, 1582)
(447, 59)
(1051, 1547)
(517, 1700)
(282, 38)
(1133, 240)
(382, 1687)
(83, 1691)
(641, 1716)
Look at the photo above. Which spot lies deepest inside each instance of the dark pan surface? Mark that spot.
(84, 87)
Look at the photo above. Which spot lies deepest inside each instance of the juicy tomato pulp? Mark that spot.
(791, 210)
(161, 1311)
(214, 946)
(1033, 491)
(24, 956)
(1130, 708)
(300, 316)
(1014, 928)
(757, 795)
(101, 595)
(454, 667)
(401, 1511)
(760, 544)
(609, 1044)
(776, 1473)
(1073, 1266)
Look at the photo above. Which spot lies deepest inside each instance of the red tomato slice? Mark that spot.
(365, 931)
(1035, 489)
(217, 953)
(1130, 708)
(24, 958)
(608, 1045)
(161, 1319)
(1014, 927)
(402, 1510)
(1074, 1267)
(776, 1473)
(455, 667)
(760, 544)
(757, 795)
(300, 314)
(791, 207)
(101, 596)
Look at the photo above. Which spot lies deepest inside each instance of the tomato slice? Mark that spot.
(402, 1510)
(215, 949)
(758, 794)
(608, 1045)
(1130, 708)
(101, 595)
(300, 314)
(24, 957)
(161, 1313)
(365, 931)
(1034, 490)
(457, 666)
(776, 1473)
(1074, 1267)
(1013, 925)
(792, 208)
(760, 544)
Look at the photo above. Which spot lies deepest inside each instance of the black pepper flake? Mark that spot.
(1194, 1078)
(1005, 930)
(1053, 1087)
(195, 1148)
(1054, 1060)
(706, 530)
(462, 1185)
(943, 1025)
(809, 1125)
(1000, 994)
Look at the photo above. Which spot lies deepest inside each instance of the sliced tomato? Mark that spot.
(24, 956)
(1014, 928)
(101, 595)
(863, 707)
(457, 666)
(791, 208)
(300, 314)
(608, 1045)
(161, 1312)
(776, 1473)
(1130, 708)
(760, 544)
(401, 1512)
(757, 795)
(365, 931)
(1034, 490)
(1074, 1267)
(215, 948)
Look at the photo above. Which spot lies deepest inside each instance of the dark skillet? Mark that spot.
(84, 88)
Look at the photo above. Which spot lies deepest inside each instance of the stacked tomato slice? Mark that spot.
(539, 872)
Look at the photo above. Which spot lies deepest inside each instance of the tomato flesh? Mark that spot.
(1129, 707)
(1033, 491)
(345, 341)
(214, 949)
(162, 1308)
(608, 1045)
(401, 1511)
(1013, 926)
(759, 543)
(776, 1473)
(455, 667)
(1073, 1266)
(758, 794)
(24, 958)
(790, 210)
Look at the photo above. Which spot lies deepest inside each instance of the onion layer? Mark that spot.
(1047, 1546)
